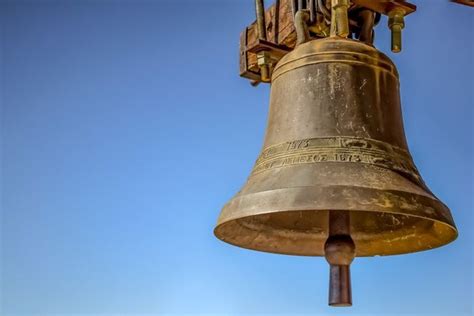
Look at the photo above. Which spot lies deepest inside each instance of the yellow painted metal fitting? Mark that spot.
(396, 23)
(264, 63)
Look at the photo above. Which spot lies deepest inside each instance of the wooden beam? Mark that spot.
(284, 36)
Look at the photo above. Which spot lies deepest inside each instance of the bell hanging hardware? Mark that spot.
(335, 177)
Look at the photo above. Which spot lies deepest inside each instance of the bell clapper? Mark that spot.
(339, 251)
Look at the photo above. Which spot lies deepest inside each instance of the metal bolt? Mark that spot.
(396, 23)
(339, 17)
(264, 62)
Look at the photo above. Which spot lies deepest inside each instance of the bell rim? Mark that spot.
(453, 238)
(449, 230)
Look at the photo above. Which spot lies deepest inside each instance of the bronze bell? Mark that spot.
(335, 177)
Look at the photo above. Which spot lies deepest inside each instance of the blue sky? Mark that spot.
(125, 128)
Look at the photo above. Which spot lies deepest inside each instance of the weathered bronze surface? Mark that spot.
(335, 142)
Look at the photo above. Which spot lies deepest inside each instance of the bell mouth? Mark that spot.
(305, 232)
(376, 232)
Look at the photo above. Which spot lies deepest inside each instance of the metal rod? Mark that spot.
(339, 251)
(396, 23)
(339, 17)
(276, 22)
(301, 4)
(340, 293)
(262, 57)
(312, 10)
(396, 39)
(260, 13)
(294, 7)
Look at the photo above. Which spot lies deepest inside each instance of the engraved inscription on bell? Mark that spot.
(337, 149)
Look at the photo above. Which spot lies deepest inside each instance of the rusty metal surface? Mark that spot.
(335, 141)
(465, 2)
(280, 27)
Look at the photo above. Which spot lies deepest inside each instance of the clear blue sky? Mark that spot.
(125, 128)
